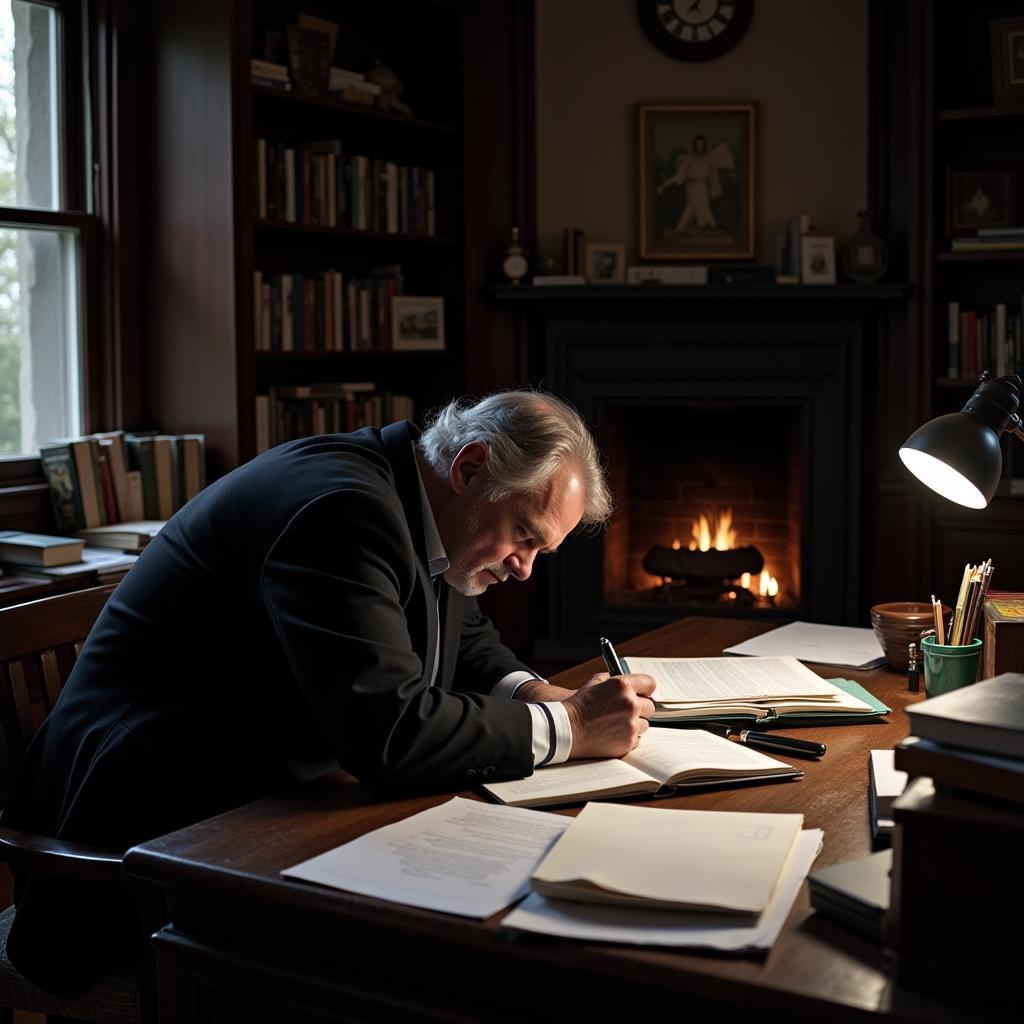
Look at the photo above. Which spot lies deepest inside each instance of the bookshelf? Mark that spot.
(969, 130)
(207, 234)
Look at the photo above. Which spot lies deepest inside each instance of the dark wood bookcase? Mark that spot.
(464, 67)
(932, 108)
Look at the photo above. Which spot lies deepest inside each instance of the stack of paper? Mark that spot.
(711, 879)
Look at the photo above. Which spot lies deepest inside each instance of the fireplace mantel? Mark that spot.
(733, 348)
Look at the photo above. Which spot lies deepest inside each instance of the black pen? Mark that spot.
(611, 659)
(755, 738)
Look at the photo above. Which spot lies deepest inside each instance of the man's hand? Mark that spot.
(609, 714)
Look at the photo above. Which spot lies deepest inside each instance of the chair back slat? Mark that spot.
(39, 644)
(52, 680)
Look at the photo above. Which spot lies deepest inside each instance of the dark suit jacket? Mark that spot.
(285, 614)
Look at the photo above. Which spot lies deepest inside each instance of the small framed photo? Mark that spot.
(817, 259)
(1007, 60)
(979, 197)
(417, 323)
(605, 262)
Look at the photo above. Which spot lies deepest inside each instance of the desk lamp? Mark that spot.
(958, 455)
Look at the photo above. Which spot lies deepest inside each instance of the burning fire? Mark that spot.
(715, 533)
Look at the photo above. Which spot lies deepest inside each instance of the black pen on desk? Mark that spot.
(755, 738)
(611, 659)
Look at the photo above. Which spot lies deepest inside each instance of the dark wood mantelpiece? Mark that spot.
(544, 295)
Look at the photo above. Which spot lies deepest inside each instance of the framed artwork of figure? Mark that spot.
(979, 197)
(696, 180)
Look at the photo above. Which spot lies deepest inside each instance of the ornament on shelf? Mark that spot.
(514, 264)
(865, 255)
(390, 89)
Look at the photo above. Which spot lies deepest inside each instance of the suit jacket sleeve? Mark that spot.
(341, 590)
(483, 658)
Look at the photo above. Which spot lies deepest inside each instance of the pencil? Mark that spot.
(940, 634)
(958, 615)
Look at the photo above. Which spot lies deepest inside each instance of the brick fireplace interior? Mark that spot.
(680, 471)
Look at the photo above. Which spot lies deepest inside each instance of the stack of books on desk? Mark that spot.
(960, 828)
(41, 556)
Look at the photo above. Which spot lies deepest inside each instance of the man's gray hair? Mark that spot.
(529, 435)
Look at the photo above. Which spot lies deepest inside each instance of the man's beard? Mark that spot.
(465, 578)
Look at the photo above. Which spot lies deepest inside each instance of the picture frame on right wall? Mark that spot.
(1007, 61)
(979, 197)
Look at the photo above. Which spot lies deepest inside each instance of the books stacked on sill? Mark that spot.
(269, 75)
(317, 184)
(113, 478)
(1008, 239)
(41, 556)
(323, 312)
(979, 341)
(287, 413)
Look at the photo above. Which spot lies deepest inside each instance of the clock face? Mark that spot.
(514, 266)
(695, 29)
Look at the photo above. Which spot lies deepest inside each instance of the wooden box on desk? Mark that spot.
(1003, 635)
(956, 906)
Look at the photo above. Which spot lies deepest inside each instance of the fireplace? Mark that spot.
(707, 513)
(714, 401)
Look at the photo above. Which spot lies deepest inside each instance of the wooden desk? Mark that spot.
(243, 944)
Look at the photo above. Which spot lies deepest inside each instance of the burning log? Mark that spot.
(702, 565)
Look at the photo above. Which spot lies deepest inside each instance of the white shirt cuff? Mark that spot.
(552, 734)
(507, 685)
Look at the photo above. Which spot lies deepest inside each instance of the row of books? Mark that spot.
(990, 240)
(315, 183)
(287, 413)
(984, 341)
(115, 477)
(323, 312)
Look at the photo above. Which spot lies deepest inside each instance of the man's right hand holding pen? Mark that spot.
(611, 711)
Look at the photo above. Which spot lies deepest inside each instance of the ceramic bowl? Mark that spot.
(897, 624)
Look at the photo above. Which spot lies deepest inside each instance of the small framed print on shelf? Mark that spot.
(979, 197)
(605, 262)
(417, 323)
(818, 259)
(1007, 61)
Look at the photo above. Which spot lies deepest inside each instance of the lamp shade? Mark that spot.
(958, 456)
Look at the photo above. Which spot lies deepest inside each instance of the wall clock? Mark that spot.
(695, 29)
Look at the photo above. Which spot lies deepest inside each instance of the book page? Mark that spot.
(702, 860)
(571, 779)
(463, 857)
(713, 680)
(847, 646)
(668, 753)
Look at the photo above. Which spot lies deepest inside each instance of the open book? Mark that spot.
(664, 760)
(722, 862)
(762, 689)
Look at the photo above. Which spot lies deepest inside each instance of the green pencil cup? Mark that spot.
(948, 667)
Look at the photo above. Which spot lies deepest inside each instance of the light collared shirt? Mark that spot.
(552, 733)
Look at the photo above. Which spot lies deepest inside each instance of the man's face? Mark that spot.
(489, 541)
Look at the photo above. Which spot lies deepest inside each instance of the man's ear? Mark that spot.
(468, 467)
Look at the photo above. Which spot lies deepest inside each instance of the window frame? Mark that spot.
(21, 475)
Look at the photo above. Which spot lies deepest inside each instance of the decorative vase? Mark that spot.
(865, 255)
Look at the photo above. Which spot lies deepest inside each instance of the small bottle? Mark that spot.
(913, 672)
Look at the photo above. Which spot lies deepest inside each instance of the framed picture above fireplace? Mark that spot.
(696, 180)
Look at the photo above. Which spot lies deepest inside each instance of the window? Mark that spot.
(43, 230)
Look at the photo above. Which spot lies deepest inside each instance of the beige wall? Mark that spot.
(804, 62)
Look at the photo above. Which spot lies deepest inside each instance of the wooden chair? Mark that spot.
(39, 642)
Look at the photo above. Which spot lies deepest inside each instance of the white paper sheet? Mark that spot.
(462, 857)
(596, 923)
(845, 646)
